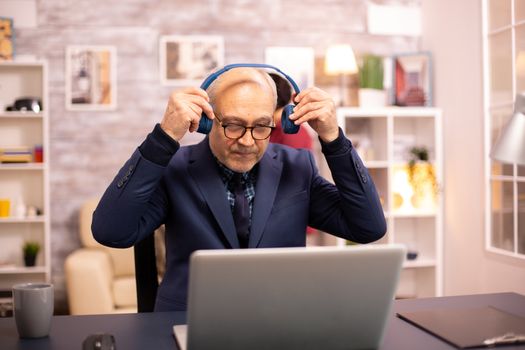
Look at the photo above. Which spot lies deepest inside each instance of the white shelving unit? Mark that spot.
(383, 138)
(26, 181)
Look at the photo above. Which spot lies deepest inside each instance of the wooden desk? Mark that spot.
(154, 330)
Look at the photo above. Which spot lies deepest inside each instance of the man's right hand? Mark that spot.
(184, 110)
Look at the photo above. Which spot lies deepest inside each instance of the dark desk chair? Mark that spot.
(146, 271)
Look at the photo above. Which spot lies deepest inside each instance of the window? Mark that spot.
(504, 76)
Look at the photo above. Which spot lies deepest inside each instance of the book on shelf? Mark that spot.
(16, 155)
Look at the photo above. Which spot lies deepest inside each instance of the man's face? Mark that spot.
(248, 104)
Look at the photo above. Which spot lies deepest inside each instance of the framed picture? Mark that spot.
(188, 60)
(413, 79)
(297, 62)
(91, 78)
(7, 39)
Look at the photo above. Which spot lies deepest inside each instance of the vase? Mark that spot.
(423, 183)
(29, 260)
(372, 98)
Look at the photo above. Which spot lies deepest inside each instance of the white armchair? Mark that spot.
(99, 279)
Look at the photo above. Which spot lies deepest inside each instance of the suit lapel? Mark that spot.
(204, 171)
(267, 182)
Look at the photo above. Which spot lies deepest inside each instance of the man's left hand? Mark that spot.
(316, 107)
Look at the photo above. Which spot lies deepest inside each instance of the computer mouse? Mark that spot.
(99, 341)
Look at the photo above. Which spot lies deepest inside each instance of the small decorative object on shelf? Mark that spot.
(33, 211)
(38, 154)
(412, 255)
(26, 104)
(5, 207)
(31, 250)
(422, 178)
(20, 210)
(7, 44)
(371, 93)
(415, 184)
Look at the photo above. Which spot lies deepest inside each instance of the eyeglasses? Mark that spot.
(236, 131)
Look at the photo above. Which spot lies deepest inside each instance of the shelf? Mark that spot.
(26, 183)
(401, 163)
(22, 166)
(376, 164)
(22, 269)
(412, 264)
(383, 136)
(389, 110)
(22, 115)
(413, 214)
(13, 220)
(24, 63)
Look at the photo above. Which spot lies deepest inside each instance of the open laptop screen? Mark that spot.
(307, 298)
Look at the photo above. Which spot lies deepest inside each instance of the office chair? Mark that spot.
(146, 274)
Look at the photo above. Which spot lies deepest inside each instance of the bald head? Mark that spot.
(241, 97)
(236, 78)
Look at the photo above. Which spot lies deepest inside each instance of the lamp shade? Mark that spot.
(510, 147)
(340, 59)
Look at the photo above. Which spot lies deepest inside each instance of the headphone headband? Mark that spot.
(288, 126)
(210, 79)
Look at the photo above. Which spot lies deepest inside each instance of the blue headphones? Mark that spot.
(288, 126)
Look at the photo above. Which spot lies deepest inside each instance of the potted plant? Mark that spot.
(422, 178)
(30, 250)
(371, 93)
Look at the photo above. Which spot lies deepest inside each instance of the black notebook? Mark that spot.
(468, 328)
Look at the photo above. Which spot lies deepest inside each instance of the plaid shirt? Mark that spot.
(248, 181)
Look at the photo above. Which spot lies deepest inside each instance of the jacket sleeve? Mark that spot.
(135, 202)
(351, 209)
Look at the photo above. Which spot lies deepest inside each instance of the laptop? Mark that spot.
(290, 298)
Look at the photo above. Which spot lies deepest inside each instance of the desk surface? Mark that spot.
(154, 330)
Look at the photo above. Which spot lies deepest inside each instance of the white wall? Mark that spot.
(452, 32)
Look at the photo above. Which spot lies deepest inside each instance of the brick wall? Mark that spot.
(87, 148)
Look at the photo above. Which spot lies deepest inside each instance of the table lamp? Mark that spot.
(510, 147)
(340, 60)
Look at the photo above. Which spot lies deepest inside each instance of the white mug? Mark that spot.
(33, 305)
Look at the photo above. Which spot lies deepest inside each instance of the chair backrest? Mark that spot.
(84, 220)
(146, 276)
(143, 254)
(120, 258)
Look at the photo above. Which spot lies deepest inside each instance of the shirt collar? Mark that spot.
(227, 173)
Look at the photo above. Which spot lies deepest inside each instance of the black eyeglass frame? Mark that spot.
(224, 126)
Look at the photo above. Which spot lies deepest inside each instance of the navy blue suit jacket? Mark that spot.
(189, 197)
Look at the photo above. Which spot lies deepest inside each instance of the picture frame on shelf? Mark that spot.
(7, 39)
(186, 60)
(298, 62)
(412, 79)
(91, 78)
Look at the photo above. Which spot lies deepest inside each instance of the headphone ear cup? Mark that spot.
(205, 124)
(287, 125)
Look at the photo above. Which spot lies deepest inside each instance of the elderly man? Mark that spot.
(235, 189)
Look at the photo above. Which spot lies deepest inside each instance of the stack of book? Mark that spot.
(16, 155)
